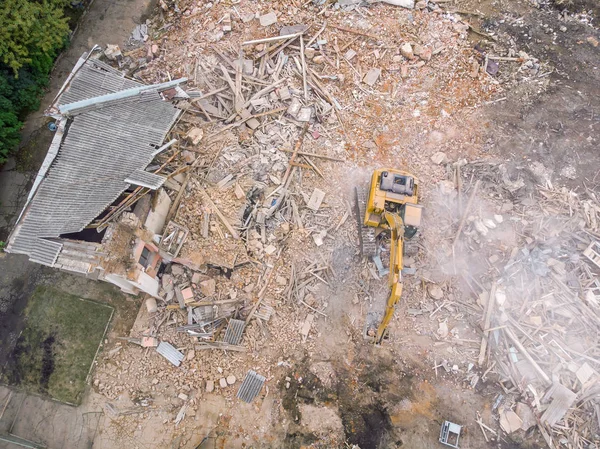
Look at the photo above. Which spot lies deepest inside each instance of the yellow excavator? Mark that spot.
(391, 204)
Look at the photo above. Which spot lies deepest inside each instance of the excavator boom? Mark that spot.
(395, 276)
(392, 204)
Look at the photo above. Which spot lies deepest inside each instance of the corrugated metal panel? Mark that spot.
(170, 353)
(251, 386)
(144, 179)
(233, 334)
(99, 151)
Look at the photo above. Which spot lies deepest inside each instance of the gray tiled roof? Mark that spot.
(145, 179)
(101, 149)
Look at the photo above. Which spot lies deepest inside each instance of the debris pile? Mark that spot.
(259, 237)
(530, 256)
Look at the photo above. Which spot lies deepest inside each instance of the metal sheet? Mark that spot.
(251, 386)
(234, 332)
(169, 352)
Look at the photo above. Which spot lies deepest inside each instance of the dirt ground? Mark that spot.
(343, 391)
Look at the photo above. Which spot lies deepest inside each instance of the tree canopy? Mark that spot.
(31, 34)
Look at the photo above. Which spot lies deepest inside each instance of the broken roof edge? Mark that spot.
(52, 110)
(48, 160)
(146, 179)
(73, 108)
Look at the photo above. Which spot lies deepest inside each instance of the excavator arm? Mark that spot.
(396, 226)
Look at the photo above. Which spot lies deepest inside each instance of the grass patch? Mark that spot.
(56, 349)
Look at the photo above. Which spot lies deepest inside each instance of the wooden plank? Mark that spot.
(487, 315)
(216, 210)
(273, 39)
(353, 31)
(303, 59)
(320, 156)
(466, 213)
(526, 354)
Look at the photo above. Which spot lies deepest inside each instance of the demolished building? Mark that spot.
(109, 129)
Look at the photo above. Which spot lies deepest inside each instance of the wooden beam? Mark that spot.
(216, 210)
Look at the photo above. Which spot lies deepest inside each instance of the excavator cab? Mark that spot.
(390, 205)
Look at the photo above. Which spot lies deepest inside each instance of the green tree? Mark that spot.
(31, 32)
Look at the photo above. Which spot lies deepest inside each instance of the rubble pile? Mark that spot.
(282, 110)
(527, 256)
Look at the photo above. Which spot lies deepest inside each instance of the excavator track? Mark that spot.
(366, 234)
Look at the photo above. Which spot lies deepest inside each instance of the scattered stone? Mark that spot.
(113, 52)
(305, 329)
(270, 249)
(294, 107)
(210, 386)
(371, 77)
(304, 115)
(248, 17)
(480, 227)
(350, 54)
(151, 305)
(140, 33)
(188, 156)
(319, 59)
(154, 49)
(268, 19)
(426, 54)
(316, 198)
(443, 329)
(439, 158)
(231, 379)
(195, 135)
(239, 192)
(284, 93)
(208, 287)
(494, 258)
(489, 223)
(281, 280)
(435, 291)
(176, 269)
(409, 4)
(223, 382)
(407, 51)
(252, 123)
(190, 355)
(319, 237)
(187, 294)
(183, 396)
(592, 40)
(227, 23)
(309, 52)
(474, 73)
(292, 29)
(510, 421)
(527, 416)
